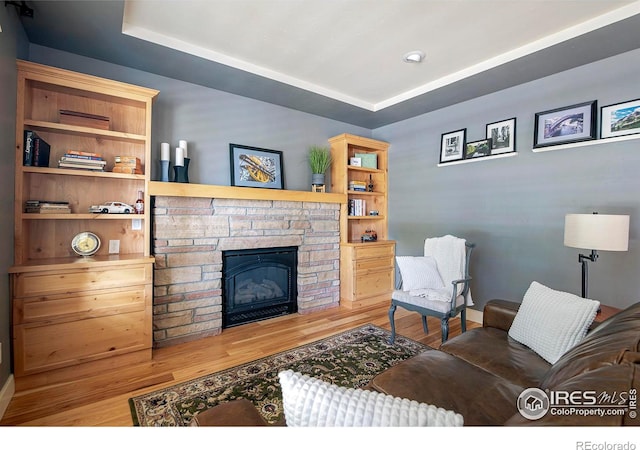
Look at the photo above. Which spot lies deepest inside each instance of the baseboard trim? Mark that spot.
(474, 315)
(6, 394)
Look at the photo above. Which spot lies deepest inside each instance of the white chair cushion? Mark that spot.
(419, 272)
(310, 402)
(426, 302)
(551, 322)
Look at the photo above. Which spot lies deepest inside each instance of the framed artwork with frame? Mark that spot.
(502, 135)
(477, 149)
(452, 145)
(620, 119)
(256, 167)
(565, 125)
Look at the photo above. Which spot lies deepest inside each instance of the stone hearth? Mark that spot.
(189, 235)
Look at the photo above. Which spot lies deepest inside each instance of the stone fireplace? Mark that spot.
(190, 234)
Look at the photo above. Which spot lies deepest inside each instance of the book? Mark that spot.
(29, 137)
(83, 153)
(357, 207)
(41, 151)
(357, 186)
(47, 202)
(36, 150)
(88, 162)
(45, 206)
(71, 165)
(74, 156)
(50, 206)
(48, 210)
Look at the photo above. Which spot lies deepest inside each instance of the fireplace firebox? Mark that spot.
(258, 284)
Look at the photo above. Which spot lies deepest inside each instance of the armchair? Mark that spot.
(435, 285)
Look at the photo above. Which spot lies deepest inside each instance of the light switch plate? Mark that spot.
(136, 224)
(114, 246)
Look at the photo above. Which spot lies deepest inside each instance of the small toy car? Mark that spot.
(112, 208)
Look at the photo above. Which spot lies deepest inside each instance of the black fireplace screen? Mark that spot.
(258, 284)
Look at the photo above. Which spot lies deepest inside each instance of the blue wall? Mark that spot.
(13, 44)
(513, 208)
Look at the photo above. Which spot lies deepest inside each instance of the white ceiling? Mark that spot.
(351, 50)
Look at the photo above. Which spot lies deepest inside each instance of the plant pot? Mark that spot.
(317, 178)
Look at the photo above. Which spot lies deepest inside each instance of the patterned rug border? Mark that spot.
(257, 367)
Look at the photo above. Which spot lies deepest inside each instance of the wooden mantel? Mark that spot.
(169, 189)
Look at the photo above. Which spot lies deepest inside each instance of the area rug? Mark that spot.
(349, 359)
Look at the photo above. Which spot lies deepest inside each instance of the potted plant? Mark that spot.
(319, 161)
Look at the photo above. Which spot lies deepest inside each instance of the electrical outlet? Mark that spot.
(114, 246)
(136, 224)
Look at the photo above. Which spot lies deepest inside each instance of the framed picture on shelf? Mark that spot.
(620, 119)
(452, 145)
(565, 125)
(477, 149)
(502, 136)
(256, 167)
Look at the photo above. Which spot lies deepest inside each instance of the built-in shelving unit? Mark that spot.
(75, 315)
(366, 268)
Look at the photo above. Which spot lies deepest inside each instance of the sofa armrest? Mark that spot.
(499, 314)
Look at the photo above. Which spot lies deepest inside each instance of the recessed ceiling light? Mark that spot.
(413, 57)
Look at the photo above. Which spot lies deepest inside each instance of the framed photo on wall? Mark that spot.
(452, 145)
(565, 125)
(502, 135)
(477, 149)
(256, 167)
(620, 119)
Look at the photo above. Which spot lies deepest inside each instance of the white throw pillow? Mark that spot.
(419, 272)
(310, 402)
(552, 322)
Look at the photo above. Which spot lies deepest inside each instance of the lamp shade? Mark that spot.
(597, 232)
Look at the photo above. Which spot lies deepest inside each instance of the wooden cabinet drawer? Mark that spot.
(63, 307)
(63, 344)
(375, 264)
(29, 284)
(369, 283)
(373, 251)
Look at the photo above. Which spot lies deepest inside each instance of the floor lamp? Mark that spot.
(596, 232)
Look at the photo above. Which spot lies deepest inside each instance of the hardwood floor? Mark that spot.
(103, 400)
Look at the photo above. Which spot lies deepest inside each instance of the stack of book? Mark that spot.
(357, 207)
(46, 207)
(128, 164)
(360, 186)
(36, 150)
(75, 159)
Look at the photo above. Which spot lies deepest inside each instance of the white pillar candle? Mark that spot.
(179, 156)
(165, 152)
(183, 146)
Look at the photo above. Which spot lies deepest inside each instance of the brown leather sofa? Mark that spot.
(481, 373)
